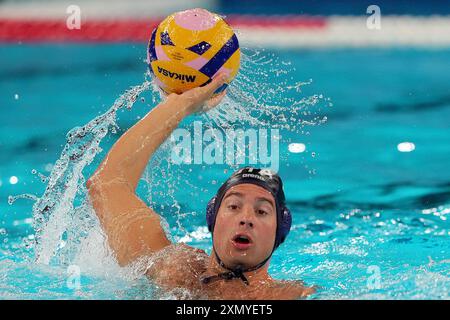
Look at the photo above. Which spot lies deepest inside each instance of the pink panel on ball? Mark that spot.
(160, 54)
(195, 19)
(197, 63)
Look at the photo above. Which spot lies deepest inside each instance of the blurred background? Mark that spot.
(385, 148)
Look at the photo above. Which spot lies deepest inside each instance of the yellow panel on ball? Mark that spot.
(189, 48)
(176, 77)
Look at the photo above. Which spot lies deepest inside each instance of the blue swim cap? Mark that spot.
(261, 177)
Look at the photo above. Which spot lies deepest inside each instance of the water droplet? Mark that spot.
(313, 154)
(406, 147)
(13, 180)
(296, 147)
(33, 171)
(16, 97)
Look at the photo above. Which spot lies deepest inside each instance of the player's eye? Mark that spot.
(200, 48)
(233, 206)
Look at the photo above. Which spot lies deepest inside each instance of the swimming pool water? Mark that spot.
(368, 221)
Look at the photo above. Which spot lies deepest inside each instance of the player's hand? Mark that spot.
(201, 99)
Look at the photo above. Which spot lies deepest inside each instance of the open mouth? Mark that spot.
(241, 241)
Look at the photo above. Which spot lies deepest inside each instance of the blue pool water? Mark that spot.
(368, 221)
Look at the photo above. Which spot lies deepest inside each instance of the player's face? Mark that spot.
(245, 228)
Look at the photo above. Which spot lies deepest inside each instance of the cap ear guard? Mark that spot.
(285, 225)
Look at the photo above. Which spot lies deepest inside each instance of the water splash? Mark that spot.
(61, 217)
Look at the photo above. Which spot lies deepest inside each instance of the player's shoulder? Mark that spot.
(177, 265)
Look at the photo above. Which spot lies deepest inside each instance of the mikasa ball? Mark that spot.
(189, 48)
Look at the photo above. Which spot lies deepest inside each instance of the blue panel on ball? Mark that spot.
(221, 57)
(151, 47)
(165, 39)
(200, 48)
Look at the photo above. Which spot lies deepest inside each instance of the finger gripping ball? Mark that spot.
(189, 48)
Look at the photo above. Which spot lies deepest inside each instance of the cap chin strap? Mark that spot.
(236, 272)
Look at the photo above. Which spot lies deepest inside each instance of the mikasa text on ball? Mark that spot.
(189, 48)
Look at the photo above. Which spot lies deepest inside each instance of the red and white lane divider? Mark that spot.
(341, 31)
(264, 31)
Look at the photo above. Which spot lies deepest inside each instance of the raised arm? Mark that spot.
(133, 229)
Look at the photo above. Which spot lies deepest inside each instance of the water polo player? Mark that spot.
(248, 217)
